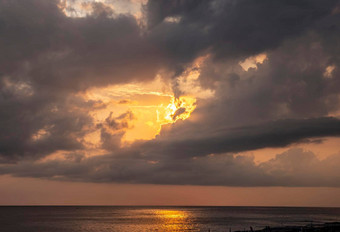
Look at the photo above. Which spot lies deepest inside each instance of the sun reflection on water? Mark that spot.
(174, 220)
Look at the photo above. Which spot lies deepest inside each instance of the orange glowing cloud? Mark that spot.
(153, 104)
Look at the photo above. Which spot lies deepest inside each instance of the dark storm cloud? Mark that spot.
(272, 134)
(48, 58)
(230, 28)
(24, 117)
(55, 51)
(294, 167)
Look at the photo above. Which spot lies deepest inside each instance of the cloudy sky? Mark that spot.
(221, 102)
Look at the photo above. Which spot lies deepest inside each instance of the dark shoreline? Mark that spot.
(326, 227)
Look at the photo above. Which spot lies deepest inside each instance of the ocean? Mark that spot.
(138, 218)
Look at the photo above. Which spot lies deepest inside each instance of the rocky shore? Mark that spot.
(327, 227)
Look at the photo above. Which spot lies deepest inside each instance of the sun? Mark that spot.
(178, 108)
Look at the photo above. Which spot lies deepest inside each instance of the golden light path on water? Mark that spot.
(151, 219)
(174, 220)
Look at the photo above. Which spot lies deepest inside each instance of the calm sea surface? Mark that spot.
(131, 219)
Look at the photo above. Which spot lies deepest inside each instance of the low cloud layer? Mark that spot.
(49, 60)
(295, 167)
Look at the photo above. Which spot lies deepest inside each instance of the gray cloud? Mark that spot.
(48, 58)
(272, 134)
(113, 129)
(230, 29)
(294, 167)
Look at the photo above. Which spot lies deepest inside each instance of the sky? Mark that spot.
(170, 102)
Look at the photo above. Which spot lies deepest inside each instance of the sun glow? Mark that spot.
(179, 108)
(150, 104)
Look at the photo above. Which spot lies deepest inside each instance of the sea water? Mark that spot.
(133, 219)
